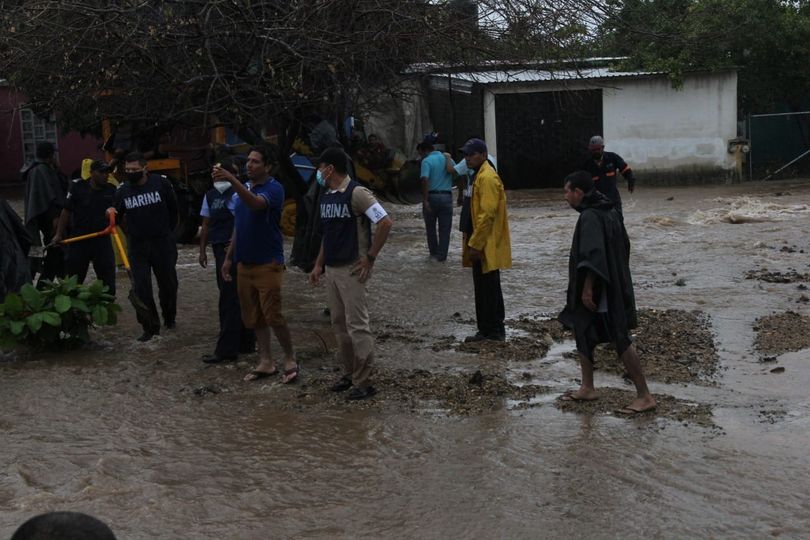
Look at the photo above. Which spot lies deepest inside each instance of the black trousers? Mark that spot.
(99, 251)
(53, 264)
(489, 310)
(158, 256)
(233, 338)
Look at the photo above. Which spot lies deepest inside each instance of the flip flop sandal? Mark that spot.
(294, 372)
(630, 412)
(259, 375)
(569, 396)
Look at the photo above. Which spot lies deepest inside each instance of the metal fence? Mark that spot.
(780, 145)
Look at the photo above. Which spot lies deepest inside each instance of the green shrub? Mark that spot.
(58, 316)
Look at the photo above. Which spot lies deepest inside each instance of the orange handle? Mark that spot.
(105, 232)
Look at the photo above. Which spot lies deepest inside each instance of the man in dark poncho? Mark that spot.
(44, 199)
(601, 306)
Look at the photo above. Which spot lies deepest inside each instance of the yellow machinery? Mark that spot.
(190, 191)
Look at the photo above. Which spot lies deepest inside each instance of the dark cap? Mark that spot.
(596, 143)
(100, 166)
(474, 146)
(429, 139)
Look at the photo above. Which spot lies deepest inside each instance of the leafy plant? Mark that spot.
(57, 316)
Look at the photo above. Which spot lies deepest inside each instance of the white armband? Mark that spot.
(376, 212)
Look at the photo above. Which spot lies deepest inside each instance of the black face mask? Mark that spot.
(133, 177)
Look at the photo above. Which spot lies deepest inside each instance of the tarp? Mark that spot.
(14, 245)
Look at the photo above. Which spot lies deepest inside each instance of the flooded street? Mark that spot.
(159, 445)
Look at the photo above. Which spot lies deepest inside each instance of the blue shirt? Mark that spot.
(258, 233)
(434, 168)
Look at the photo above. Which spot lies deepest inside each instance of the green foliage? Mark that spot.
(57, 316)
(767, 41)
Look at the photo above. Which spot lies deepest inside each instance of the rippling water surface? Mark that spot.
(114, 430)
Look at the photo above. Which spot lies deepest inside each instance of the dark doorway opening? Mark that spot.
(543, 136)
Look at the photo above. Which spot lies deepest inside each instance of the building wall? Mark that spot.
(667, 135)
(72, 147)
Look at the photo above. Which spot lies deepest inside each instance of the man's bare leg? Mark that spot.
(266, 364)
(586, 391)
(284, 338)
(644, 400)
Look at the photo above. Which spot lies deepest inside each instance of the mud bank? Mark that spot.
(612, 399)
(402, 391)
(782, 332)
(675, 346)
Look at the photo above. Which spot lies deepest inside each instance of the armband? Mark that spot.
(376, 212)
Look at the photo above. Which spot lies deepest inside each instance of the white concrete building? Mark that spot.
(537, 123)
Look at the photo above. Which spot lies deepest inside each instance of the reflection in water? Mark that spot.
(116, 432)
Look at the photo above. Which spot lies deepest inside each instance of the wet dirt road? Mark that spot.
(157, 444)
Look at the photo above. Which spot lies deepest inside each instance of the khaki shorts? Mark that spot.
(259, 291)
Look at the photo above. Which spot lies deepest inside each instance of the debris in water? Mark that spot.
(782, 332)
(207, 389)
(778, 370)
(790, 276)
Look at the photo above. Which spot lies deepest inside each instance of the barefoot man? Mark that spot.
(601, 306)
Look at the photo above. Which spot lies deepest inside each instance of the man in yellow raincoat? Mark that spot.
(486, 246)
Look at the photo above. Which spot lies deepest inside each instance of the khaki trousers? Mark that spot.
(350, 321)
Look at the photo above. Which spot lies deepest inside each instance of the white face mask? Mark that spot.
(222, 186)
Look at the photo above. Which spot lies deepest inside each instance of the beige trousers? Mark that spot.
(350, 321)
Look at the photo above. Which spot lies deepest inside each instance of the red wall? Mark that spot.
(10, 137)
(72, 146)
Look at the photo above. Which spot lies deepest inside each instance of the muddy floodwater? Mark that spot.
(461, 442)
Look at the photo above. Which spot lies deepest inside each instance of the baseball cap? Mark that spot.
(596, 143)
(474, 146)
(430, 138)
(100, 166)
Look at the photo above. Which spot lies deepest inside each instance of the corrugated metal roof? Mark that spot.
(536, 75)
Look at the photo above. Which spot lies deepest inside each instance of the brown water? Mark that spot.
(116, 431)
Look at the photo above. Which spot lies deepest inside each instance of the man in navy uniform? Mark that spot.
(217, 228)
(84, 213)
(348, 251)
(148, 203)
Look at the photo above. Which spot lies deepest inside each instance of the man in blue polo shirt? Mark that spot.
(257, 247)
(437, 197)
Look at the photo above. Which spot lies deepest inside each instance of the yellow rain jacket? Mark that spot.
(490, 223)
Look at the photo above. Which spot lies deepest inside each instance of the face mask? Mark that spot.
(319, 178)
(222, 186)
(133, 177)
